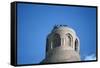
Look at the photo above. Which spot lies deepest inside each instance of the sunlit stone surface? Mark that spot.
(62, 45)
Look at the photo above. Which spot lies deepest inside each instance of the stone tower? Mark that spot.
(62, 45)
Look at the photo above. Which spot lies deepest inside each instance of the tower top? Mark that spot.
(57, 26)
(62, 45)
(64, 28)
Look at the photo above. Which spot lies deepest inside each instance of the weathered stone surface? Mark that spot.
(65, 51)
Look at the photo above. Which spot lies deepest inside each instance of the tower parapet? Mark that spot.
(62, 45)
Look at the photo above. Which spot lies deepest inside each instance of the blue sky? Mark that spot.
(35, 22)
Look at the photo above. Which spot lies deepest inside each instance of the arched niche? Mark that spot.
(69, 39)
(47, 44)
(56, 40)
(76, 45)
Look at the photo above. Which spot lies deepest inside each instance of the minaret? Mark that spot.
(62, 45)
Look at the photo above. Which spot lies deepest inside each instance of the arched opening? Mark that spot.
(47, 44)
(76, 45)
(69, 39)
(56, 40)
